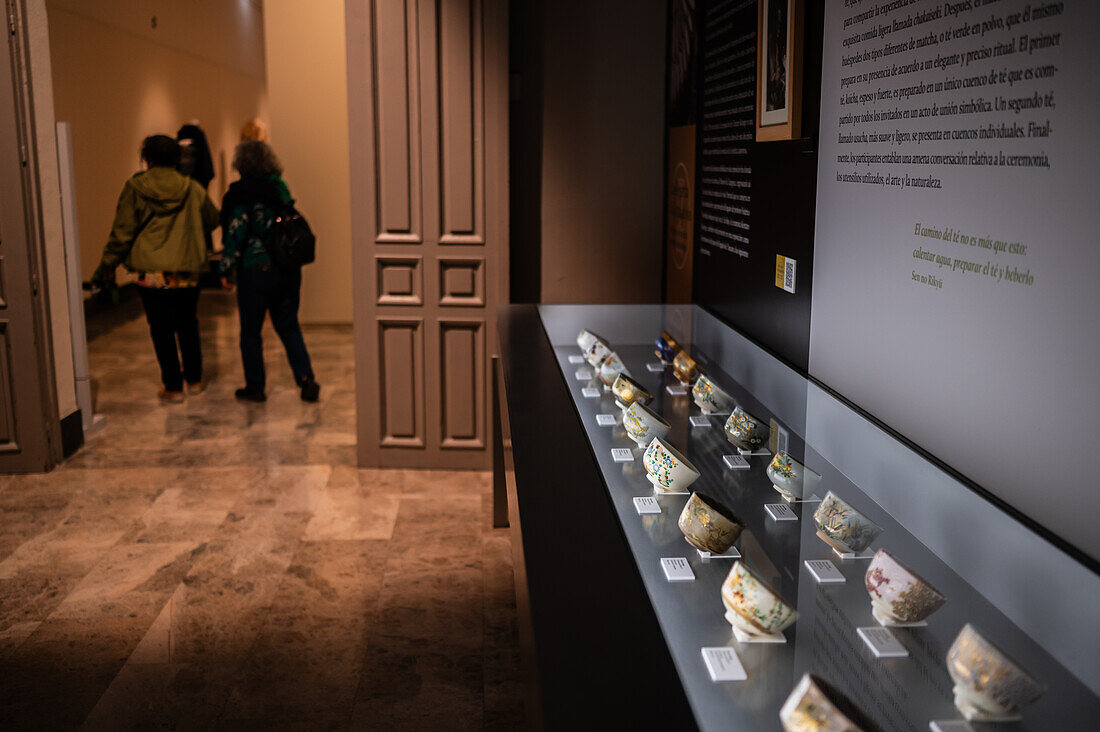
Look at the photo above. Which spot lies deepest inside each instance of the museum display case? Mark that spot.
(778, 548)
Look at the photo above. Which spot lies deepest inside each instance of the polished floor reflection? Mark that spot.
(220, 565)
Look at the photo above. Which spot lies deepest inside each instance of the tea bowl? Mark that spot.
(586, 338)
(667, 469)
(627, 391)
(792, 479)
(611, 367)
(746, 431)
(987, 682)
(842, 527)
(642, 424)
(684, 367)
(752, 606)
(710, 397)
(814, 705)
(708, 525)
(597, 352)
(667, 347)
(898, 594)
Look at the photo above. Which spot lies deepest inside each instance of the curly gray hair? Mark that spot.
(255, 158)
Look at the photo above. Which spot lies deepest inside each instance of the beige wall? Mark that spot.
(116, 79)
(307, 99)
(603, 151)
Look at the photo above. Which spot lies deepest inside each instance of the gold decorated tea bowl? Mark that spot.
(708, 525)
(684, 367)
(746, 431)
(898, 594)
(752, 606)
(815, 706)
(627, 391)
(987, 682)
(842, 527)
(611, 367)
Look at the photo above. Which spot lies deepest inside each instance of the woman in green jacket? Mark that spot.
(159, 233)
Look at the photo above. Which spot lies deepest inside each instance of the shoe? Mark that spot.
(311, 390)
(170, 397)
(247, 395)
(197, 388)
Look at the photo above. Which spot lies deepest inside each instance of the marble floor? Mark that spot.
(217, 565)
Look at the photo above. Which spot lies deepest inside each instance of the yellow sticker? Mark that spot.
(780, 270)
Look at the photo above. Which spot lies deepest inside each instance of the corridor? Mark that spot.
(219, 564)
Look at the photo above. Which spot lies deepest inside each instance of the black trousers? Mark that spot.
(173, 319)
(269, 289)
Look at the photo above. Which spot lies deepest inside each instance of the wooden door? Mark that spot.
(29, 436)
(427, 99)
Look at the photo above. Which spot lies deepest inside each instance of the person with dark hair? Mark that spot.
(159, 233)
(249, 210)
(195, 160)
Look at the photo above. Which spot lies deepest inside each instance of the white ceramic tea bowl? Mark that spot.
(987, 682)
(842, 527)
(597, 352)
(586, 339)
(667, 469)
(752, 606)
(792, 479)
(611, 367)
(627, 391)
(898, 594)
(710, 397)
(642, 424)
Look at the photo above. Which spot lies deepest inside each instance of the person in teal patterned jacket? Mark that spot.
(249, 209)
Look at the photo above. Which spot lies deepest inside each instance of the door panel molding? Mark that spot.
(462, 377)
(401, 383)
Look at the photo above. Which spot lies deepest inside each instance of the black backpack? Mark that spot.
(292, 243)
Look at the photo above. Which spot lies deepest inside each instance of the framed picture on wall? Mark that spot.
(779, 70)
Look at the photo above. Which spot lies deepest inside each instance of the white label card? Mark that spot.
(654, 368)
(590, 392)
(780, 512)
(576, 359)
(646, 505)
(676, 390)
(953, 725)
(700, 421)
(735, 462)
(824, 571)
(582, 374)
(622, 455)
(723, 664)
(677, 569)
(605, 420)
(882, 643)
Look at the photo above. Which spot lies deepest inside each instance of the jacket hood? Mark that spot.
(163, 188)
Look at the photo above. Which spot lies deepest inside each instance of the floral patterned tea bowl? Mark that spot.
(642, 424)
(611, 367)
(792, 479)
(987, 682)
(667, 469)
(708, 525)
(842, 527)
(898, 594)
(586, 339)
(627, 391)
(746, 431)
(667, 347)
(752, 606)
(597, 352)
(684, 367)
(815, 706)
(709, 397)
